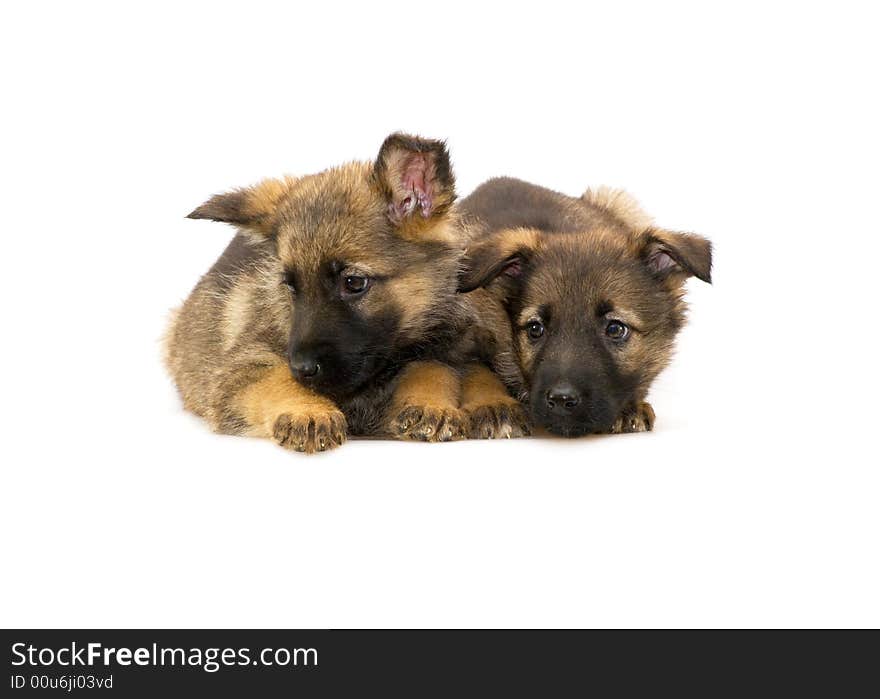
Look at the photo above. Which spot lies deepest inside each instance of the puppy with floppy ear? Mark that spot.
(328, 312)
(581, 298)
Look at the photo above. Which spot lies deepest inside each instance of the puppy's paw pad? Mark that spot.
(501, 421)
(310, 432)
(639, 419)
(429, 424)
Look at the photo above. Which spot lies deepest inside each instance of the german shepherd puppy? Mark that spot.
(323, 316)
(580, 300)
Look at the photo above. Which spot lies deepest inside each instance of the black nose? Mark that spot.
(563, 398)
(305, 366)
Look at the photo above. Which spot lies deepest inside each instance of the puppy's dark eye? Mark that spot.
(616, 330)
(535, 329)
(354, 284)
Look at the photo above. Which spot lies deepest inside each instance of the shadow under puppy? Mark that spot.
(324, 315)
(579, 300)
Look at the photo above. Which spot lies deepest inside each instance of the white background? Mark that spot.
(755, 501)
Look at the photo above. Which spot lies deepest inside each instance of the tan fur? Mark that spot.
(426, 403)
(492, 412)
(480, 386)
(275, 394)
(419, 229)
(516, 239)
(254, 208)
(264, 198)
(620, 203)
(429, 384)
(237, 311)
(413, 294)
(167, 336)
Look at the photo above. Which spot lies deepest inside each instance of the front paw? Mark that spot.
(639, 418)
(500, 421)
(310, 432)
(429, 424)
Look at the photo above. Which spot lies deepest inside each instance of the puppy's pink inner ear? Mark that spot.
(513, 268)
(416, 184)
(660, 262)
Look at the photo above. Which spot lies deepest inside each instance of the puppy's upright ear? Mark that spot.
(676, 256)
(252, 208)
(504, 254)
(415, 177)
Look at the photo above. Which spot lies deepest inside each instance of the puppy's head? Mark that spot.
(593, 315)
(363, 258)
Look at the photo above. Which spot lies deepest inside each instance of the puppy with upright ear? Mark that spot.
(334, 308)
(580, 300)
(416, 179)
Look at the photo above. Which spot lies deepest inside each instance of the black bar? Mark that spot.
(317, 663)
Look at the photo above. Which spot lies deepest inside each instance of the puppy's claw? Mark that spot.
(500, 421)
(429, 424)
(638, 418)
(310, 433)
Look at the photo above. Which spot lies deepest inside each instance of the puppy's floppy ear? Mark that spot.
(252, 208)
(415, 177)
(669, 254)
(504, 254)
